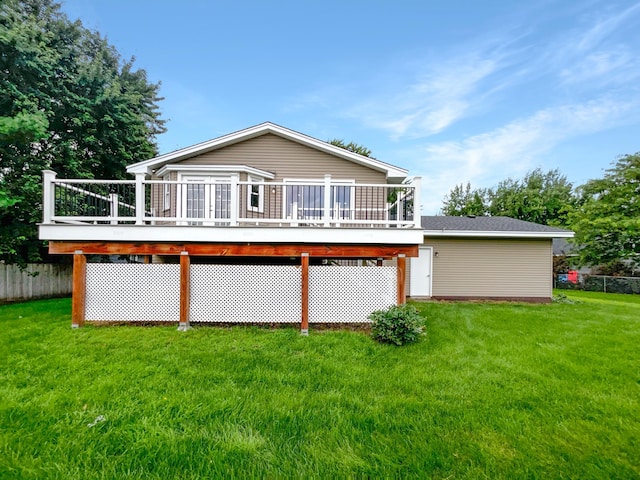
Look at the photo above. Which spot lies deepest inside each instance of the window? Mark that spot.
(306, 201)
(167, 193)
(255, 194)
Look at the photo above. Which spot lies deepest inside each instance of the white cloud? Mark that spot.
(604, 27)
(432, 101)
(511, 150)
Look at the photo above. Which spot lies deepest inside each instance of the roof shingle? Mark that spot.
(485, 224)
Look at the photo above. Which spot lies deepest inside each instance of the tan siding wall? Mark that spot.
(287, 159)
(491, 268)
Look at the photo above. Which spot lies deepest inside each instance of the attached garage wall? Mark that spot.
(492, 268)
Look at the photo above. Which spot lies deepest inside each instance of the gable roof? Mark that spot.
(146, 166)
(497, 227)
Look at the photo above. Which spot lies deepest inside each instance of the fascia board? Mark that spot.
(495, 234)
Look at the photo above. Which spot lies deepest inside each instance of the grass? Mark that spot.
(492, 391)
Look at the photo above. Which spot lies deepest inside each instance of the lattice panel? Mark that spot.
(245, 293)
(133, 292)
(341, 294)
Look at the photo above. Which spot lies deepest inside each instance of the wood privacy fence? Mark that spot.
(52, 280)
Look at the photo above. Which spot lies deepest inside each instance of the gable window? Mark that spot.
(255, 194)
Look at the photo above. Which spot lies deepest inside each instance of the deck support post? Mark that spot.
(401, 269)
(185, 291)
(304, 324)
(79, 294)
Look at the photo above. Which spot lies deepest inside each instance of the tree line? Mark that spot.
(604, 213)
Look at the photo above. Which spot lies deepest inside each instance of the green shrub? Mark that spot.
(397, 324)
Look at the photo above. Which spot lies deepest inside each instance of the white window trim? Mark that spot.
(166, 194)
(255, 180)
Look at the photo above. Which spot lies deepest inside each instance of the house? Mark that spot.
(264, 224)
(270, 225)
(496, 258)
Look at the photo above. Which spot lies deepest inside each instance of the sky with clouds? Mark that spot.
(454, 91)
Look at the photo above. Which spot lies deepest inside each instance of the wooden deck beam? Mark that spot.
(246, 250)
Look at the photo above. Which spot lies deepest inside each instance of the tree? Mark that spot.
(351, 146)
(607, 218)
(539, 197)
(68, 103)
(462, 201)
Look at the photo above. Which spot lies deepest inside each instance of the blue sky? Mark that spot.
(454, 91)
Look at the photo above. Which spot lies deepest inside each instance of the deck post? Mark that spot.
(140, 198)
(401, 268)
(78, 299)
(304, 324)
(48, 193)
(113, 207)
(185, 291)
(326, 215)
(417, 198)
(234, 202)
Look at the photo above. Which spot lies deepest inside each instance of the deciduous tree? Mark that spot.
(351, 146)
(539, 197)
(69, 103)
(607, 220)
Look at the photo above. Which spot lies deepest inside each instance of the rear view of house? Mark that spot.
(264, 224)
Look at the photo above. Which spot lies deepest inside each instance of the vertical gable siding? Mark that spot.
(287, 159)
(492, 268)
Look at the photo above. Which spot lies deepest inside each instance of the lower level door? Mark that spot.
(420, 279)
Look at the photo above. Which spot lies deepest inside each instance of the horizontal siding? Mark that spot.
(491, 268)
(287, 159)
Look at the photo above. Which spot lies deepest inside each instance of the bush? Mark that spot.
(397, 324)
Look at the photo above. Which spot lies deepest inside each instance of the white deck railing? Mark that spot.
(230, 203)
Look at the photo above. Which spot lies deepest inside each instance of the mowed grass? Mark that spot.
(492, 391)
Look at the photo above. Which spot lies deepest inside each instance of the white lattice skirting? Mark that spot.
(349, 294)
(237, 293)
(245, 293)
(132, 292)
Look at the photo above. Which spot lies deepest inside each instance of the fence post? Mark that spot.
(48, 196)
(604, 283)
(326, 213)
(140, 200)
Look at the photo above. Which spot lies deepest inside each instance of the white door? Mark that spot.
(420, 279)
(202, 200)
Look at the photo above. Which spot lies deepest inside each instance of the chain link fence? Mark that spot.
(598, 283)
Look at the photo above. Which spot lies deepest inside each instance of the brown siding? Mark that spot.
(287, 159)
(499, 268)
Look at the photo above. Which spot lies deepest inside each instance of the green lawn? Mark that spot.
(492, 391)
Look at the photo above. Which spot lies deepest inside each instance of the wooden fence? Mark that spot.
(52, 280)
